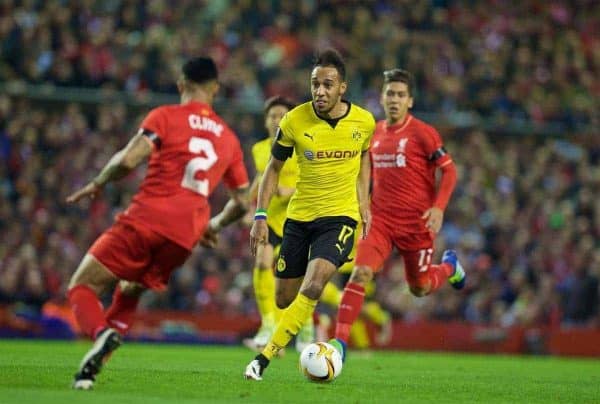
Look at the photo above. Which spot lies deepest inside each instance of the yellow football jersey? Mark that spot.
(329, 155)
(276, 213)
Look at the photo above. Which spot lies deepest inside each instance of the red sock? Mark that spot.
(87, 309)
(438, 274)
(120, 313)
(350, 307)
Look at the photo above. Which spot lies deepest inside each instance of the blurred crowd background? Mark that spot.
(513, 88)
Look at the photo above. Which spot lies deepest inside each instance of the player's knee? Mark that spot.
(312, 289)
(419, 290)
(283, 303)
(78, 281)
(263, 265)
(264, 257)
(80, 278)
(93, 274)
(131, 289)
(361, 275)
(72, 283)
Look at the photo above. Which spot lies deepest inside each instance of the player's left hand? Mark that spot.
(365, 215)
(210, 238)
(259, 234)
(91, 190)
(434, 217)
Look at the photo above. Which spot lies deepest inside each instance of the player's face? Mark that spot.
(327, 88)
(395, 101)
(273, 117)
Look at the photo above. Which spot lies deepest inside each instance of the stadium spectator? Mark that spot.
(580, 294)
(494, 59)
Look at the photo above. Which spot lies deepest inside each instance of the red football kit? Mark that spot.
(404, 159)
(193, 150)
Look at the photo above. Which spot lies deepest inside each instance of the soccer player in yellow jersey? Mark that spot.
(263, 278)
(331, 138)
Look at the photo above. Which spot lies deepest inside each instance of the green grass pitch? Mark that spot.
(41, 372)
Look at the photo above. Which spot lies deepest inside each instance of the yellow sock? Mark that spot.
(291, 321)
(376, 313)
(331, 295)
(277, 313)
(307, 331)
(359, 335)
(264, 292)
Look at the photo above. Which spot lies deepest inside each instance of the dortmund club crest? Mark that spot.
(356, 135)
(281, 264)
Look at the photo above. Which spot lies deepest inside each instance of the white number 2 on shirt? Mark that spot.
(199, 145)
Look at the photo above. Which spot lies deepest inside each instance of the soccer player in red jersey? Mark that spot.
(407, 208)
(190, 150)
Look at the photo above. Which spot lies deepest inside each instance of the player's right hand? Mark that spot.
(366, 219)
(434, 218)
(259, 234)
(91, 190)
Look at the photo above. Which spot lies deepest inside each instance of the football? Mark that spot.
(320, 362)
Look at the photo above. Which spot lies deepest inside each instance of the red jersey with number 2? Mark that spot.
(403, 172)
(194, 151)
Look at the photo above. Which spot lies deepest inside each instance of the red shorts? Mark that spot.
(135, 253)
(416, 250)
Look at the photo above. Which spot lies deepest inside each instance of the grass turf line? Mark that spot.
(42, 371)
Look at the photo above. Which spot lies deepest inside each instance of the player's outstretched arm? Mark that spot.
(235, 208)
(120, 164)
(434, 216)
(253, 191)
(260, 232)
(269, 182)
(362, 188)
(248, 218)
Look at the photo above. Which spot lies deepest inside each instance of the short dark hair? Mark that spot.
(200, 70)
(401, 75)
(331, 57)
(277, 100)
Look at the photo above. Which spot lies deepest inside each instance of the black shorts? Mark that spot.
(274, 239)
(330, 238)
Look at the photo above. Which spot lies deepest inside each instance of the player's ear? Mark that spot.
(343, 88)
(180, 85)
(215, 86)
(410, 102)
